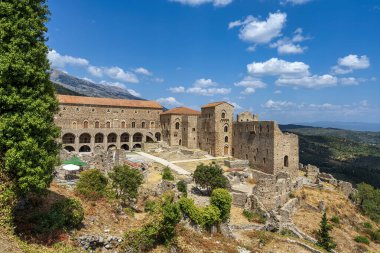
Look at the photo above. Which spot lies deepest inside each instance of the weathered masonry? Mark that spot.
(87, 123)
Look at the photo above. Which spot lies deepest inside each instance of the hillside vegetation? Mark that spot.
(349, 155)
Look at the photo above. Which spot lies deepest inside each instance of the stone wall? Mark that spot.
(236, 163)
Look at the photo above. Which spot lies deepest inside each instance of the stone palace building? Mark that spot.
(89, 122)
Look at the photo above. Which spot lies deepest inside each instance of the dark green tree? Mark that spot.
(210, 177)
(222, 199)
(28, 151)
(92, 184)
(368, 199)
(323, 234)
(126, 182)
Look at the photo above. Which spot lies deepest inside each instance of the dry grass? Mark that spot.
(307, 217)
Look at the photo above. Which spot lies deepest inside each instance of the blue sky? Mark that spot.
(287, 60)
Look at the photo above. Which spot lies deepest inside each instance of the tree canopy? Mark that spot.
(210, 177)
(28, 151)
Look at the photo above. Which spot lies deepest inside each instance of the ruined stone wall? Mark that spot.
(212, 135)
(79, 121)
(254, 141)
(286, 152)
(247, 117)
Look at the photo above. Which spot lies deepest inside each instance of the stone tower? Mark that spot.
(215, 128)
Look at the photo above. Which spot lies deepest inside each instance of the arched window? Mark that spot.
(158, 136)
(226, 139)
(223, 115)
(108, 124)
(85, 124)
(85, 138)
(133, 124)
(143, 124)
(123, 124)
(177, 125)
(111, 138)
(151, 124)
(180, 142)
(225, 128)
(97, 125)
(124, 137)
(99, 138)
(264, 161)
(137, 137)
(286, 161)
(68, 139)
(74, 125)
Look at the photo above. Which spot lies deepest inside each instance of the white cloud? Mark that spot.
(60, 61)
(143, 71)
(169, 101)
(88, 79)
(158, 80)
(115, 73)
(217, 3)
(237, 106)
(350, 63)
(278, 105)
(117, 84)
(280, 67)
(179, 89)
(291, 45)
(250, 84)
(203, 87)
(351, 80)
(95, 71)
(277, 92)
(203, 83)
(295, 2)
(258, 31)
(314, 81)
(134, 93)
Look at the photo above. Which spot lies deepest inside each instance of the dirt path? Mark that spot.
(164, 162)
(200, 159)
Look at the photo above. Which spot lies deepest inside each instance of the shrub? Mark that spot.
(367, 225)
(362, 239)
(92, 184)
(210, 216)
(171, 216)
(182, 187)
(335, 219)
(167, 174)
(126, 182)
(374, 235)
(323, 235)
(222, 199)
(369, 201)
(151, 206)
(253, 217)
(210, 177)
(64, 214)
(188, 207)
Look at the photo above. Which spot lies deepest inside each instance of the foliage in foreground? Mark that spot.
(210, 177)
(368, 199)
(126, 182)
(362, 239)
(182, 187)
(167, 174)
(161, 230)
(64, 214)
(92, 184)
(222, 199)
(28, 103)
(323, 235)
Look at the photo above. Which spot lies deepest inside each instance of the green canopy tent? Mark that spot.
(75, 161)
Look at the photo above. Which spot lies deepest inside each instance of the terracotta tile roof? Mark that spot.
(181, 111)
(215, 104)
(64, 99)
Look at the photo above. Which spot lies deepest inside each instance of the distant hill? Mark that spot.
(355, 126)
(348, 155)
(69, 85)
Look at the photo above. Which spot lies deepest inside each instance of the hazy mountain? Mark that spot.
(70, 85)
(356, 126)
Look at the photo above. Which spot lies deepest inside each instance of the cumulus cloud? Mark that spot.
(134, 93)
(217, 3)
(143, 71)
(314, 81)
(250, 84)
(350, 63)
(169, 101)
(295, 2)
(291, 45)
(60, 61)
(116, 84)
(276, 66)
(351, 80)
(115, 73)
(203, 87)
(256, 31)
(278, 105)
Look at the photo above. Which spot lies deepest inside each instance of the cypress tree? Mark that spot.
(323, 234)
(28, 151)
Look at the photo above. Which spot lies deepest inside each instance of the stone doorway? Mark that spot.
(226, 150)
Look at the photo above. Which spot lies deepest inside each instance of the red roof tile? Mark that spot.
(181, 111)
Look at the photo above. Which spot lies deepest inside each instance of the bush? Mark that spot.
(367, 225)
(151, 206)
(188, 207)
(210, 177)
(253, 217)
(167, 174)
(369, 201)
(362, 239)
(222, 199)
(374, 235)
(64, 214)
(92, 184)
(126, 182)
(323, 235)
(210, 216)
(182, 187)
(335, 219)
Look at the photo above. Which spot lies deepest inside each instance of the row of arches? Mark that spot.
(86, 148)
(108, 124)
(69, 138)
